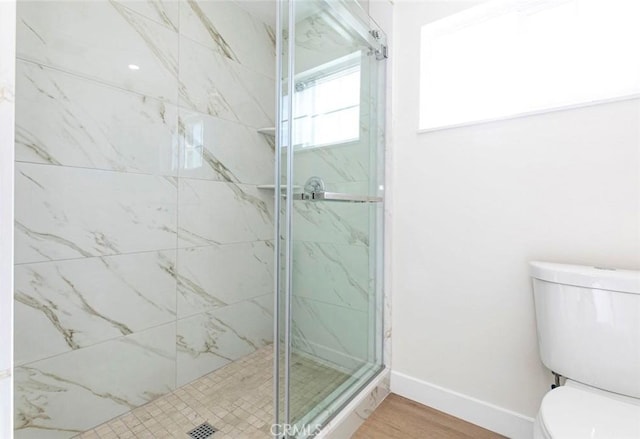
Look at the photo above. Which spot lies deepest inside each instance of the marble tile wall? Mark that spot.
(334, 308)
(144, 252)
(333, 277)
(335, 244)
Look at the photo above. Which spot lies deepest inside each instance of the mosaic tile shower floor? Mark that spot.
(237, 400)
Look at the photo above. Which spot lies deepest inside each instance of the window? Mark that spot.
(327, 105)
(505, 58)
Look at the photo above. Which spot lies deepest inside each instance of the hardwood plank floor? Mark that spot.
(398, 417)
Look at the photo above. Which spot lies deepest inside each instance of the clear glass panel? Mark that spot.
(335, 303)
(281, 318)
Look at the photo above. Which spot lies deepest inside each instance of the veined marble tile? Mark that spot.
(64, 213)
(333, 333)
(336, 274)
(166, 12)
(212, 84)
(332, 222)
(264, 11)
(210, 340)
(217, 149)
(352, 187)
(69, 393)
(101, 40)
(266, 303)
(318, 42)
(387, 329)
(66, 120)
(231, 31)
(66, 305)
(317, 32)
(257, 104)
(212, 212)
(335, 164)
(218, 275)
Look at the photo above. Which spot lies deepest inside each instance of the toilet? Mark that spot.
(588, 323)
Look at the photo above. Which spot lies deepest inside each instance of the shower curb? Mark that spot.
(345, 423)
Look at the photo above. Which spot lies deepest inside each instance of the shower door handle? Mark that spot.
(314, 190)
(337, 196)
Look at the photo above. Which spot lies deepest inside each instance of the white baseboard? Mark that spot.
(500, 420)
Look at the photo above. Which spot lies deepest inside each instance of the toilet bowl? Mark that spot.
(588, 324)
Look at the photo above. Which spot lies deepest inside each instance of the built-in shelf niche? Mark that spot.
(273, 187)
(268, 131)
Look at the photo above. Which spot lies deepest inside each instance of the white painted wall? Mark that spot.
(7, 92)
(472, 206)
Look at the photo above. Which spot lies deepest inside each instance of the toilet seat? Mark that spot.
(571, 413)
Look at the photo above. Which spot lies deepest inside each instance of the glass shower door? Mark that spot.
(331, 170)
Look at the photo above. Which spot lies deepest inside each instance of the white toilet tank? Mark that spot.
(588, 322)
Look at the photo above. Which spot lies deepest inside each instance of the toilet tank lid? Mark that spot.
(626, 281)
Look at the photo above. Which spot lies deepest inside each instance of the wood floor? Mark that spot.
(398, 417)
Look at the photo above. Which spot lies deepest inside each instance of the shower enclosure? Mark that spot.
(198, 216)
(329, 173)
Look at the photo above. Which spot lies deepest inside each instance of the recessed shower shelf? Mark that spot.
(269, 131)
(272, 187)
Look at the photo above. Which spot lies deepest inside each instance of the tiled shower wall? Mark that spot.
(333, 276)
(333, 298)
(143, 246)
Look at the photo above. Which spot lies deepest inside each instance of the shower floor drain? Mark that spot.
(202, 431)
